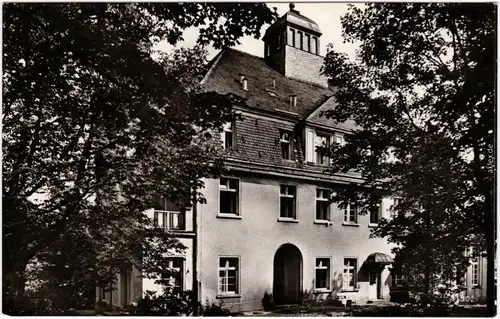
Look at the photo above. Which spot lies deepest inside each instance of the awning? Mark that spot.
(379, 258)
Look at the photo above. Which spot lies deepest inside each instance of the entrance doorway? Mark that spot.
(375, 264)
(287, 283)
(375, 281)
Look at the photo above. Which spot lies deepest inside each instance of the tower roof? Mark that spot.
(295, 18)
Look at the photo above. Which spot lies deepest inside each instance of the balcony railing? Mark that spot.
(169, 220)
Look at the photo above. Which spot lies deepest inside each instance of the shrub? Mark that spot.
(215, 309)
(400, 295)
(101, 306)
(28, 306)
(170, 303)
(267, 302)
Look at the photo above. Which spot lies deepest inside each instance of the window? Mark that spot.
(339, 139)
(314, 45)
(228, 275)
(168, 215)
(228, 196)
(176, 273)
(376, 213)
(322, 145)
(307, 43)
(268, 49)
(397, 280)
(291, 38)
(228, 136)
(475, 272)
(350, 271)
(286, 145)
(322, 204)
(322, 274)
(301, 40)
(272, 93)
(351, 214)
(171, 220)
(395, 211)
(287, 201)
(298, 40)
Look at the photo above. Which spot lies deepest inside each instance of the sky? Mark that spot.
(327, 15)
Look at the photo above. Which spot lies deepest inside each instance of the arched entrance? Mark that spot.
(287, 283)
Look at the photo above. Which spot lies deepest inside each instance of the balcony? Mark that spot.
(169, 220)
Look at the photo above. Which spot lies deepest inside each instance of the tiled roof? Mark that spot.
(317, 118)
(258, 141)
(257, 136)
(224, 78)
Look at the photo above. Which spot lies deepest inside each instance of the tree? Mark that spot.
(89, 114)
(422, 94)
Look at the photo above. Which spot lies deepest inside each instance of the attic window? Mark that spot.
(290, 37)
(286, 145)
(293, 100)
(314, 45)
(228, 136)
(307, 43)
(272, 93)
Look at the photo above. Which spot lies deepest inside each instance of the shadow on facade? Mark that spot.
(335, 284)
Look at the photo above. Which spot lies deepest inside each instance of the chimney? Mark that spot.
(245, 84)
(242, 76)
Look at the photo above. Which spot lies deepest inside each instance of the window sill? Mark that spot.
(350, 224)
(349, 290)
(322, 222)
(321, 290)
(288, 220)
(228, 216)
(227, 296)
(373, 225)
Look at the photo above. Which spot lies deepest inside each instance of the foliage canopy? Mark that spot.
(422, 94)
(94, 128)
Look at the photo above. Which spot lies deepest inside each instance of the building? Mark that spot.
(267, 229)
